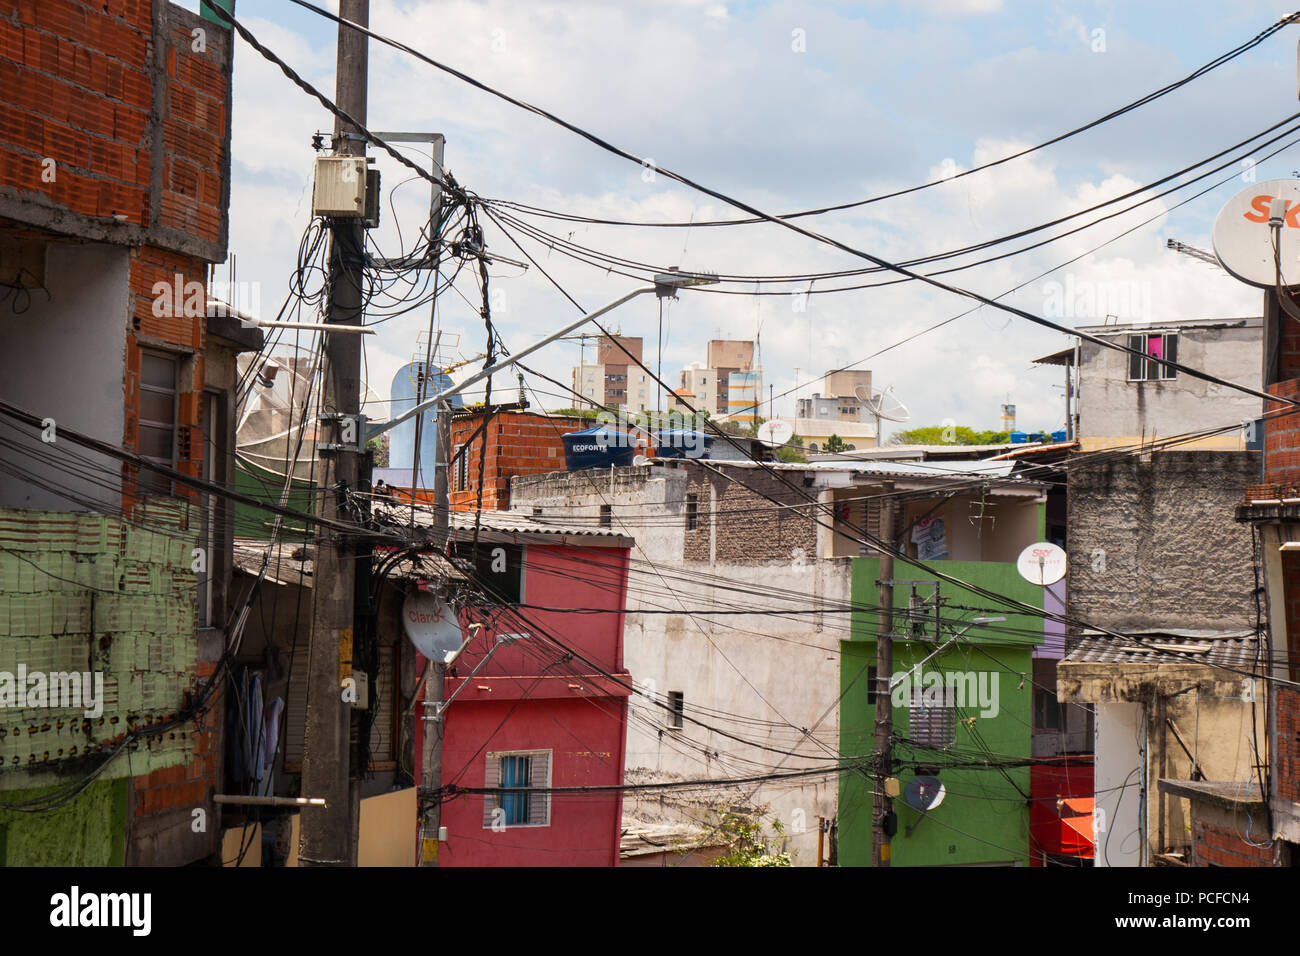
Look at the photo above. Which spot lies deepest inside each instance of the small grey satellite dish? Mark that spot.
(775, 432)
(883, 404)
(924, 793)
(431, 625)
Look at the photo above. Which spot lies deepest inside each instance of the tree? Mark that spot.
(834, 445)
(791, 451)
(947, 435)
(747, 843)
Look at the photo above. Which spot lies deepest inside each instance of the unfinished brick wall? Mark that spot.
(1282, 438)
(1287, 758)
(1215, 845)
(115, 124)
(750, 529)
(518, 443)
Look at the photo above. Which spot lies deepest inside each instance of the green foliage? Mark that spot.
(588, 413)
(946, 435)
(834, 445)
(747, 842)
(791, 451)
(380, 447)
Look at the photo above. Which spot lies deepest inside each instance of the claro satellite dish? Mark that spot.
(775, 432)
(431, 625)
(883, 404)
(1042, 563)
(924, 793)
(1243, 240)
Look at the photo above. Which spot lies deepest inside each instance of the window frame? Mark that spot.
(176, 361)
(692, 511)
(1141, 368)
(947, 711)
(493, 801)
(676, 710)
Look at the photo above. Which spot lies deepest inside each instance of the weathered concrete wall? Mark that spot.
(56, 363)
(1119, 784)
(738, 525)
(1153, 544)
(1112, 406)
(752, 674)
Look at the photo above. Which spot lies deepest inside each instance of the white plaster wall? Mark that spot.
(64, 358)
(757, 676)
(1118, 787)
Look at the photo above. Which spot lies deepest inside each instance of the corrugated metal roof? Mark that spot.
(1235, 649)
(517, 522)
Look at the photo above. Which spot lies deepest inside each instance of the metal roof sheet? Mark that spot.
(1235, 649)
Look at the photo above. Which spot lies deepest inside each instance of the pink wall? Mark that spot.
(528, 696)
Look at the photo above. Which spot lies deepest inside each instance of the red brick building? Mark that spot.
(114, 190)
(517, 443)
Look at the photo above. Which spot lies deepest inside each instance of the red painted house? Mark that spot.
(547, 709)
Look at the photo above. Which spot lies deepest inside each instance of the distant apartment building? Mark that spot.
(728, 384)
(614, 378)
(840, 399)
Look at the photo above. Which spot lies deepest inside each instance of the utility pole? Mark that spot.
(329, 832)
(884, 669)
(431, 749)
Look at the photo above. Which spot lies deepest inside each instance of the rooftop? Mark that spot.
(1234, 649)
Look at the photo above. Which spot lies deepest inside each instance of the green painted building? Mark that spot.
(957, 717)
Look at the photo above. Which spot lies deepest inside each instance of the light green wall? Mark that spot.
(89, 831)
(985, 816)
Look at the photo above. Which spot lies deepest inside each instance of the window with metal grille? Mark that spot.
(692, 512)
(933, 717)
(157, 435)
(676, 709)
(519, 774)
(1156, 348)
(606, 515)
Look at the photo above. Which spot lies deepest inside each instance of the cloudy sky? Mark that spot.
(790, 106)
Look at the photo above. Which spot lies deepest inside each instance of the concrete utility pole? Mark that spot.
(431, 778)
(329, 832)
(884, 669)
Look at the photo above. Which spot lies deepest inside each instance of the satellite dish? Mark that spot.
(1243, 240)
(640, 460)
(431, 625)
(1042, 563)
(924, 793)
(883, 404)
(775, 432)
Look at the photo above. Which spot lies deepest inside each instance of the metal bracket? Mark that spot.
(359, 423)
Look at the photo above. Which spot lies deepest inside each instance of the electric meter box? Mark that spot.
(339, 191)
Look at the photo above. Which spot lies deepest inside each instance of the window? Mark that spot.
(537, 512)
(692, 512)
(676, 709)
(499, 568)
(1155, 347)
(518, 773)
(606, 515)
(462, 466)
(933, 722)
(157, 442)
(871, 687)
(1049, 713)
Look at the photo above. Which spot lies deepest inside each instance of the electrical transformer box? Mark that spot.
(339, 190)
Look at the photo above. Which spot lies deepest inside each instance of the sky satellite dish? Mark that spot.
(1042, 563)
(1243, 241)
(883, 404)
(431, 625)
(924, 793)
(640, 460)
(775, 432)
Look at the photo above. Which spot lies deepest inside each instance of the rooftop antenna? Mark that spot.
(883, 405)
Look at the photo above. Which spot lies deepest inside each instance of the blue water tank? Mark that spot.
(598, 447)
(682, 443)
(1019, 438)
(1059, 436)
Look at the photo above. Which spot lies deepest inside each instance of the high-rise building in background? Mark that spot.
(614, 379)
(728, 385)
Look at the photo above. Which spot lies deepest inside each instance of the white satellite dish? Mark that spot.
(1243, 240)
(924, 793)
(640, 460)
(1043, 563)
(431, 625)
(883, 404)
(775, 432)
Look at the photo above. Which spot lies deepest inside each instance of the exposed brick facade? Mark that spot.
(749, 529)
(132, 112)
(1282, 438)
(518, 443)
(1216, 845)
(1287, 757)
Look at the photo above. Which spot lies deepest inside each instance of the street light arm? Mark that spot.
(479, 376)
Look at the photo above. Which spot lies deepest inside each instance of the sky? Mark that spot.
(789, 106)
